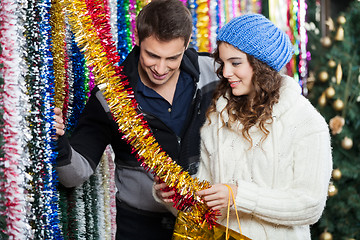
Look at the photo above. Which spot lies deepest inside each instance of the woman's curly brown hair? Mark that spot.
(249, 111)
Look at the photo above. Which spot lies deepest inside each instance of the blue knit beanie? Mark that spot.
(255, 35)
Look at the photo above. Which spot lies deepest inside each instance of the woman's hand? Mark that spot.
(59, 125)
(160, 191)
(217, 197)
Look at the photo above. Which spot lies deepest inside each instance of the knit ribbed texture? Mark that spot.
(256, 35)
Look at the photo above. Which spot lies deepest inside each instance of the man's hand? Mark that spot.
(59, 125)
(165, 196)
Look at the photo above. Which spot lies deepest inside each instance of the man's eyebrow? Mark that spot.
(157, 56)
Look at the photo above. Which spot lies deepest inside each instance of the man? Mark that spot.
(173, 86)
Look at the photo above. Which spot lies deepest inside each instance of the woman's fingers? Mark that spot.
(216, 197)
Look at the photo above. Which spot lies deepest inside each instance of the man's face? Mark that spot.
(160, 61)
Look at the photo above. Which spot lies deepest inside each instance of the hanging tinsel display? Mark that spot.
(40, 85)
(56, 73)
(83, 200)
(132, 20)
(123, 29)
(14, 202)
(108, 183)
(34, 92)
(290, 16)
(304, 54)
(293, 11)
(207, 16)
(2, 153)
(76, 84)
(57, 21)
(192, 6)
(214, 18)
(203, 25)
(210, 15)
(132, 125)
(99, 204)
(46, 222)
(122, 37)
(113, 20)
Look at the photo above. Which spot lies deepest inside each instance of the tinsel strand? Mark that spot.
(123, 47)
(14, 130)
(113, 20)
(80, 224)
(100, 18)
(50, 196)
(192, 5)
(202, 25)
(69, 89)
(57, 22)
(101, 206)
(77, 96)
(34, 119)
(106, 194)
(112, 195)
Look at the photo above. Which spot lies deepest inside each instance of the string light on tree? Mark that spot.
(332, 190)
(326, 236)
(341, 20)
(336, 174)
(331, 63)
(347, 143)
(330, 92)
(338, 105)
(323, 76)
(326, 42)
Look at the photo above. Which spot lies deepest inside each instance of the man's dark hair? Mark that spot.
(164, 19)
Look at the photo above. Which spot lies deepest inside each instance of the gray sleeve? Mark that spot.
(75, 173)
(208, 68)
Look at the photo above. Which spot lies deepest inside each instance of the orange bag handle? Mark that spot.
(231, 194)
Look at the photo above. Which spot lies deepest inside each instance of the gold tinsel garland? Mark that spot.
(134, 128)
(203, 23)
(57, 21)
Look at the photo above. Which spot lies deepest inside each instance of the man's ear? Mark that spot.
(188, 43)
(137, 42)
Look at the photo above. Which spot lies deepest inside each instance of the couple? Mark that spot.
(259, 135)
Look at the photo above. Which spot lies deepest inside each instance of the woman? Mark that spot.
(262, 137)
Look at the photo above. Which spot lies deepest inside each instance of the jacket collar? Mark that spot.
(289, 92)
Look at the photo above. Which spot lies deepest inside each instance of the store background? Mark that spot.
(42, 66)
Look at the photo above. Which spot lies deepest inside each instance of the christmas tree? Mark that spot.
(334, 88)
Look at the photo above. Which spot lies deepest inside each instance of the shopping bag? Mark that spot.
(186, 227)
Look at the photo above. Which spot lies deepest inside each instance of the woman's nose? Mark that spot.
(227, 72)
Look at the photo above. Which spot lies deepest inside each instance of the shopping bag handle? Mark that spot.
(231, 194)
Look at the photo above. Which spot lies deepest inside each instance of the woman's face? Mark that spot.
(236, 69)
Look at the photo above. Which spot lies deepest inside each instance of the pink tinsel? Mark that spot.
(12, 131)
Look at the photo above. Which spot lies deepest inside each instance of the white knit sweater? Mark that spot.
(283, 183)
